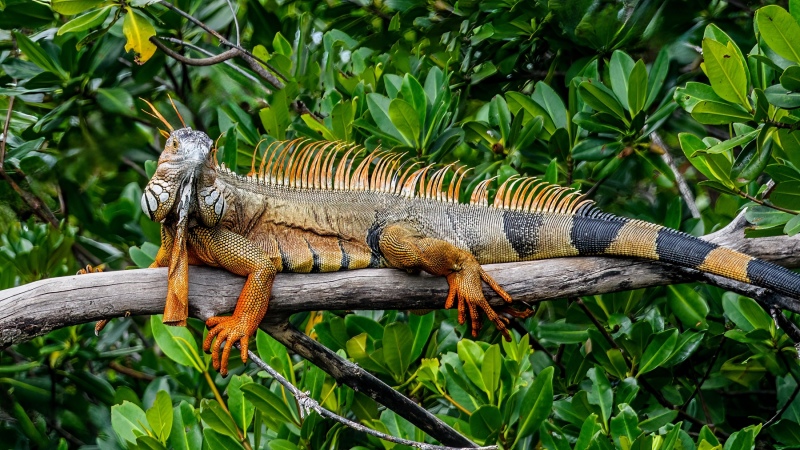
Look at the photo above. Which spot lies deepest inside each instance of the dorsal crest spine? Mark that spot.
(325, 166)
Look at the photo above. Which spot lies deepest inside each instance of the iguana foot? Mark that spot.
(227, 329)
(466, 286)
(98, 327)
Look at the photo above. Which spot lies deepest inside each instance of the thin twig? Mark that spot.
(228, 63)
(308, 404)
(789, 400)
(210, 61)
(705, 375)
(683, 187)
(5, 131)
(245, 54)
(744, 194)
(235, 22)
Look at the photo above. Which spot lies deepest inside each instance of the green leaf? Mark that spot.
(421, 327)
(790, 78)
(342, 118)
(620, 68)
(746, 313)
(626, 424)
(688, 305)
(658, 73)
(85, 21)
(780, 31)
(115, 101)
(546, 97)
(378, 106)
(786, 432)
(517, 101)
(185, 434)
(414, 94)
(148, 443)
(601, 393)
(688, 343)
(159, 416)
(274, 409)
(485, 422)
(138, 30)
(71, 7)
(323, 131)
(712, 113)
(406, 121)
(538, 403)
(397, 342)
(281, 45)
(490, 370)
(637, 88)
(472, 356)
(240, 409)
(36, 54)
(230, 148)
(216, 418)
(781, 97)
(792, 226)
(787, 195)
(220, 441)
(726, 71)
(177, 343)
(601, 98)
(128, 421)
(563, 333)
(658, 350)
(500, 117)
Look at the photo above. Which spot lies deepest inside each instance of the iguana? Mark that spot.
(318, 207)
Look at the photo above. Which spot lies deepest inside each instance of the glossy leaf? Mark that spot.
(138, 30)
(601, 98)
(406, 121)
(725, 71)
(780, 31)
(688, 306)
(86, 21)
(397, 343)
(637, 88)
(658, 350)
(538, 401)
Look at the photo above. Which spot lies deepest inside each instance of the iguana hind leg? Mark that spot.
(405, 249)
(240, 256)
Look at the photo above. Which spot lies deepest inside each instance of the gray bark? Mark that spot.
(34, 309)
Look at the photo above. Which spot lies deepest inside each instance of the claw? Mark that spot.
(466, 290)
(223, 333)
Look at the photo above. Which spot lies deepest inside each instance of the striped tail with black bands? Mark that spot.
(597, 233)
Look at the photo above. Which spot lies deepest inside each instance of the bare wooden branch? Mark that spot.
(34, 309)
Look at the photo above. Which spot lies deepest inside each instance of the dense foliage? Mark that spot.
(573, 91)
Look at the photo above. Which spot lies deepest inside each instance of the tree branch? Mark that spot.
(34, 309)
(358, 379)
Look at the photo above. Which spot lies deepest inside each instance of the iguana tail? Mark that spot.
(596, 233)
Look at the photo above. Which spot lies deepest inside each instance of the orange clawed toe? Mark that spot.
(229, 330)
(466, 287)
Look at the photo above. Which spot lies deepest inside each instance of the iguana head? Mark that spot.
(185, 181)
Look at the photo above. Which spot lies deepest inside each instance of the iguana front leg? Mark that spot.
(235, 254)
(403, 248)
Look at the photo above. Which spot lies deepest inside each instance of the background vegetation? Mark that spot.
(585, 93)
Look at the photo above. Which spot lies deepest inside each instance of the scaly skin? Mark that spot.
(308, 210)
